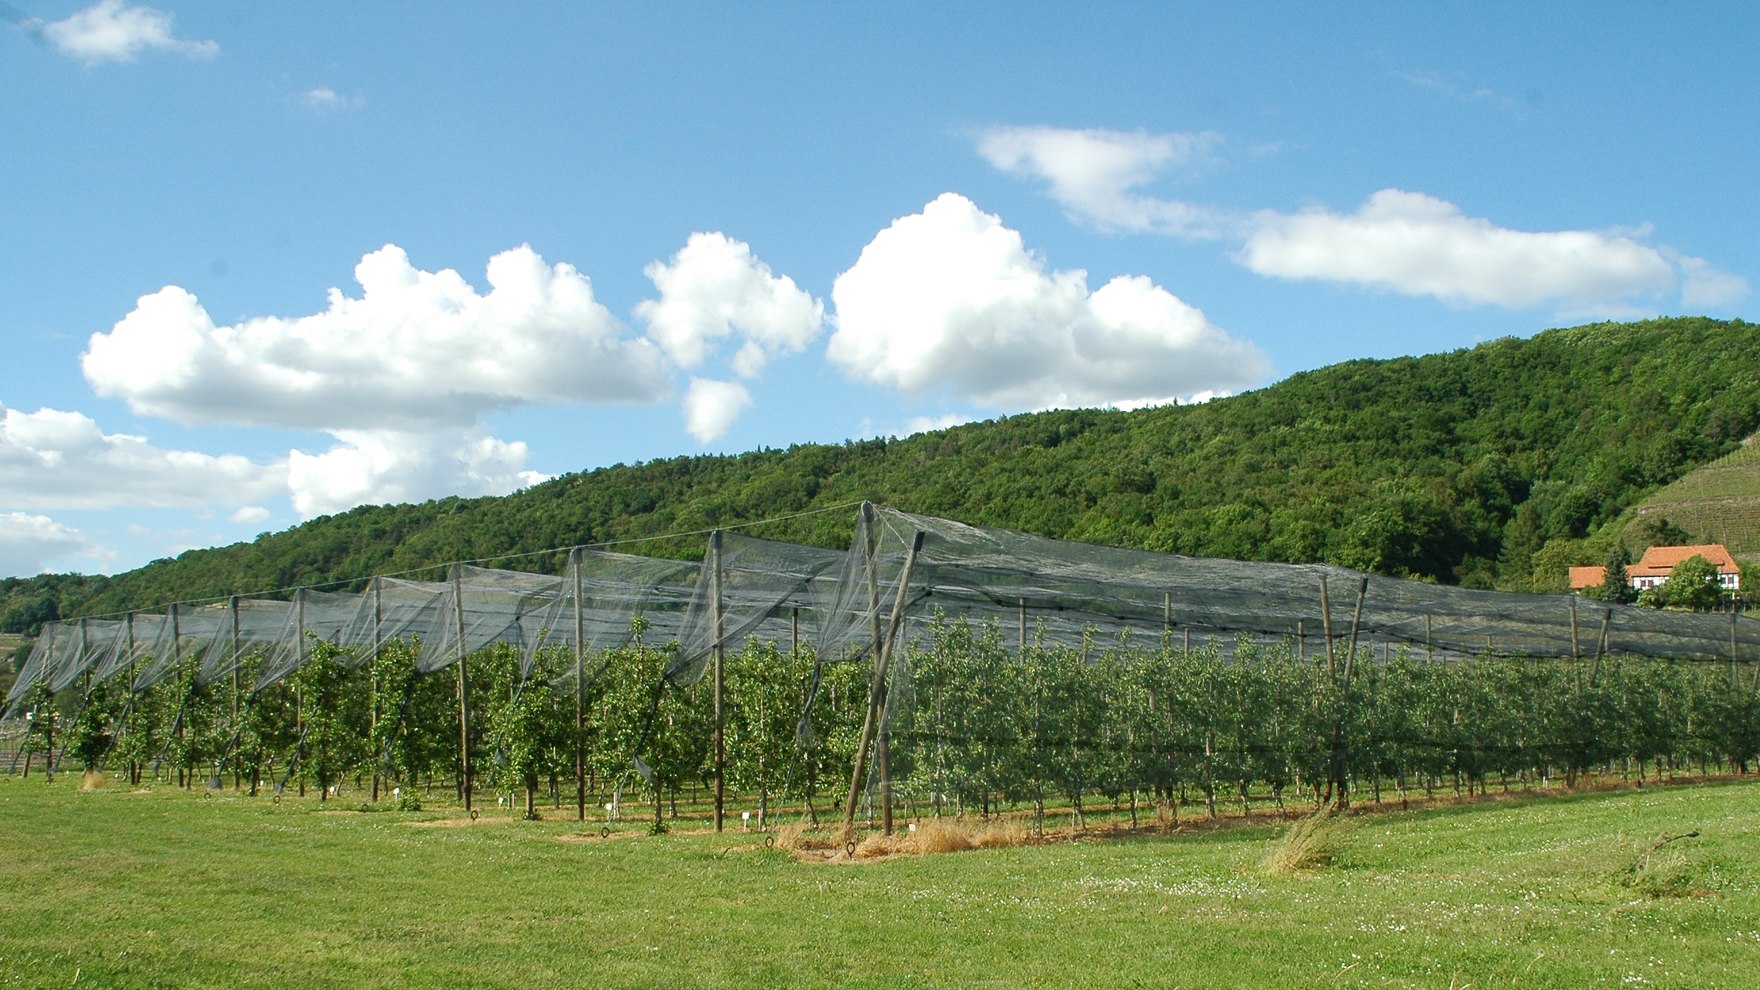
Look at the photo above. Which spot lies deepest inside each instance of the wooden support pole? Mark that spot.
(1021, 637)
(1735, 682)
(577, 563)
(717, 657)
(1301, 641)
(182, 687)
(1576, 650)
(373, 681)
(299, 705)
(876, 688)
(464, 689)
(1429, 645)
(237, 644)
(1326, 627)
(1601, 648)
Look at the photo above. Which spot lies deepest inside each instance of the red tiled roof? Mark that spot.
(1587, 577)
(1661, 561)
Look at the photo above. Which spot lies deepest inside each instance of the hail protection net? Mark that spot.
(747, 588)
(875, 601)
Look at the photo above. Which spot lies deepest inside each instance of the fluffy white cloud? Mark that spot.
(114, 31)
(30, 544)
(710, 407)
(416, 351)
(1419, 245)
(1093, 174)
(714, 287)
(62, 460)
(386, 466)
(1705, 287)
(250, 514)
(951, 299)
(1398, 241)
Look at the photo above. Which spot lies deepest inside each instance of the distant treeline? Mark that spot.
(1490, 467)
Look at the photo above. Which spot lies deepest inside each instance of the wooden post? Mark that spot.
(1340, 755)
(133, 767)
(299, 609)
(1734, 678)
(1576, 650)
(718, 658)
(1326, 627)
(1601, 649)
(576, 565)
(1301, 642)
(883, 654)
(464, 689)
(1429, 645)
(1166, 613)
(1188, 632)
(373, 682)
(1021, 637)
(883, 735)
(182, 688)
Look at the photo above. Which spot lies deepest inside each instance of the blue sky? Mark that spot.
(263, 262)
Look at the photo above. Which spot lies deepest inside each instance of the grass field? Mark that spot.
(160, 887)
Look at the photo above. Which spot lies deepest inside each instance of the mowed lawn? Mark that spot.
(161, 887)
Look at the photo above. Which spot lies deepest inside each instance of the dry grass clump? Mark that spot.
(802, 837)
(1310, 844)
(1001, 833)
(935, 836)
(93, 780)
(940, 835)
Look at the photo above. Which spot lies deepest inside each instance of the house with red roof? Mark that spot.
(1659, 562)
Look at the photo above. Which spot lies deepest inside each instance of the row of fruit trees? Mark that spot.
(972, 726)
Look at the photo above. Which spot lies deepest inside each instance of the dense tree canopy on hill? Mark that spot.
(1455, 467)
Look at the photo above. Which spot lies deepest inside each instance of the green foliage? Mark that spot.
(1454, 467)
(1692, 585)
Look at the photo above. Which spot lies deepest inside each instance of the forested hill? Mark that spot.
(1455, 467)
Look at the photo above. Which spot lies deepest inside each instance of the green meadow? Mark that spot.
(160, 887)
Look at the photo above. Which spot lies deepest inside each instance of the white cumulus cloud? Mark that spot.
(1094, 174)
(250, 514)
(31, 544)
(713, 288)
(371, 467)
(52, 459)
(710, 408)
(950, 299)
(1405, 242)
(114, 31)
(415, 351)
(1416, 244)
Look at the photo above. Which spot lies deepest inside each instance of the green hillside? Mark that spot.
(1491, 466)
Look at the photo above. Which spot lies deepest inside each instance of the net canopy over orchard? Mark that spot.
(880, 606)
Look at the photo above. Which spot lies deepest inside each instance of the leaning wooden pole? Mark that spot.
(882, 656)
(1340, 752)
(576, 567)
(882, 738)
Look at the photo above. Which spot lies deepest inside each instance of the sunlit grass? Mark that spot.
(170, 888)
